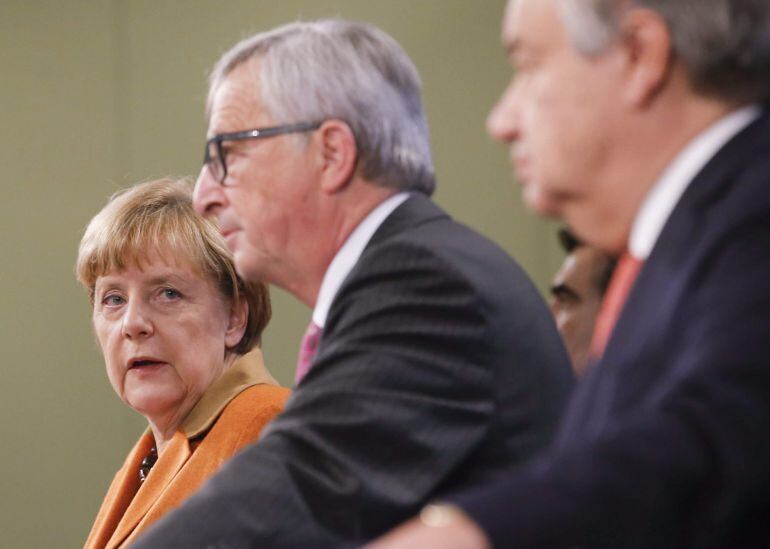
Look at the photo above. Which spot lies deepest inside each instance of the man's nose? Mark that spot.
(208, 194)
(503, 119)
(553, 306)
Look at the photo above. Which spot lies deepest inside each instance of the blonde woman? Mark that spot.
(179, 333)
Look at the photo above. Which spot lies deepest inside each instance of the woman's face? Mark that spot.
(163, 329)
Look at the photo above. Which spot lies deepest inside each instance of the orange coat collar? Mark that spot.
(119, 506)
(248, 370)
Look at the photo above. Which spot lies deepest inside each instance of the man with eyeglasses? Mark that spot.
(431, 362)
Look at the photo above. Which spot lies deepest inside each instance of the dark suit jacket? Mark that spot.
(439, 367)
(666, 443)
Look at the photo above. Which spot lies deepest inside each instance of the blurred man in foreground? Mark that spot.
(576, 295)
(641, 123)
(431, 363)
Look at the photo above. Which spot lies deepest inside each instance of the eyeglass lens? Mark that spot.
(215, 160)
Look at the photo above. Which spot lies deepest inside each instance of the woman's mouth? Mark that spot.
(145, 364)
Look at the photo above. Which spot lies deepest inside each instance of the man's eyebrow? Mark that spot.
(563, 290)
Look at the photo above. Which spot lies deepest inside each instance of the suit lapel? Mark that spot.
(163, 472)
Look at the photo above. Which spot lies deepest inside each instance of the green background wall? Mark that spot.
(96, 95)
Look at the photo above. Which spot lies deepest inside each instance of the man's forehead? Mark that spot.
(508, 34)
(235, 102)
(526, 21)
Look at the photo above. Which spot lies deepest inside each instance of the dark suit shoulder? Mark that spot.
(421, 229)
(437, 287)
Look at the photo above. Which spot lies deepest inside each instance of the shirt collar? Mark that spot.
(665, 194)
(246, 371)
(347, 256)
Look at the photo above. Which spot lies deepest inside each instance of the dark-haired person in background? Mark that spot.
(576, 295)
(643, 124)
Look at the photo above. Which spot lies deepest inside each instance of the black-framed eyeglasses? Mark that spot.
(214, 158)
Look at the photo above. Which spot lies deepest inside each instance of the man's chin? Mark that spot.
(540, 202)
(249, 267)
(246, 271)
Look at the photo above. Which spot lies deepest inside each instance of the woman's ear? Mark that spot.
(338, 155)
(236, 322)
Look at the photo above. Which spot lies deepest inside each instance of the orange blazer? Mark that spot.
(229, 415)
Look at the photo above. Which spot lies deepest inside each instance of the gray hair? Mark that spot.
(348, 71)
(723, 44)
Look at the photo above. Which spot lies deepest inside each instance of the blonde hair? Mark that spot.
(158, 216)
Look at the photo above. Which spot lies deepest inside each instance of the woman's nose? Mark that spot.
(137, 322)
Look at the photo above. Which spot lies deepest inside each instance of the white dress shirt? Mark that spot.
(347, 256)
(665, 194)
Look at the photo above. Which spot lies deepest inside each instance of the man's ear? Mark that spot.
(338, 155)
(647, 44)
(236, 322)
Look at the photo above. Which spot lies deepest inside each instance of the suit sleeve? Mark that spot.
(698, 446)
(399, 395)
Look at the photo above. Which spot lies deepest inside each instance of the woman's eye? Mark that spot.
(112, 300)
(170, 293)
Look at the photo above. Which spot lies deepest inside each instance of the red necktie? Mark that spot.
(617, 292)
(307, 351)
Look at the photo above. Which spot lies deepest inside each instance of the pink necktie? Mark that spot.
(622, 280)
(307, 351)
